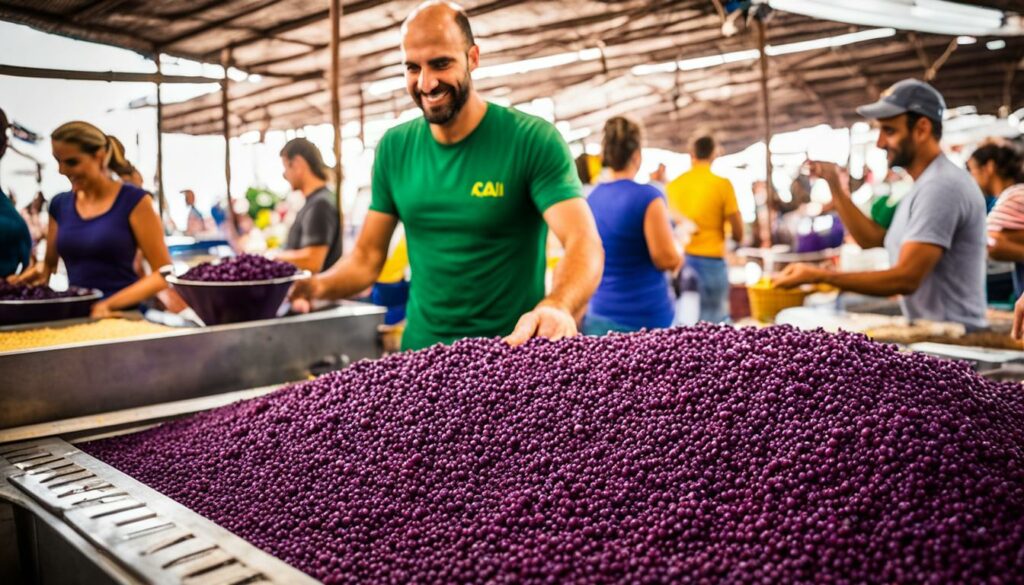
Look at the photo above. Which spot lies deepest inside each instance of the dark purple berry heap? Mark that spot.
(699, 455)
(241, 268)
(17, 292)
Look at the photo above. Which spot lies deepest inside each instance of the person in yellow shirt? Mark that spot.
(392, 288)
(708, 201)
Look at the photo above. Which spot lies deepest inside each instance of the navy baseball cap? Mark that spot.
(909, 95)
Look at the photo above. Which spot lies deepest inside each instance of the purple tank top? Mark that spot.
(98, 252)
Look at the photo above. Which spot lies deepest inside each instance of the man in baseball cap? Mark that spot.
(936, 241)
(909, 95)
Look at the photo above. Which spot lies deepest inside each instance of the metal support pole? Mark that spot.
(335, 83)
(161, 197)
(766, 112)
(225, 60)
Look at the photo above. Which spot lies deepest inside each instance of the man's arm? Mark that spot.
(357, 270)
(916, 261)
(864, 230)
(575, 279)
(310, 258)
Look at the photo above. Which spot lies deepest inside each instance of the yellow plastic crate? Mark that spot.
(766, 301)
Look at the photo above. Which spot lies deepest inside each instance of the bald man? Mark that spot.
(477, 186)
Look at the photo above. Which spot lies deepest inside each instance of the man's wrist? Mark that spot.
(826, 277)
(837, 188)
(554, 304)
(316, 287)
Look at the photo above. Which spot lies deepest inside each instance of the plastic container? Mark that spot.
(37, 311)
(217, 303)
(766, 301)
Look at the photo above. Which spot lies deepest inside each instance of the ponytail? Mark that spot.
(116, 160)
(622, 138)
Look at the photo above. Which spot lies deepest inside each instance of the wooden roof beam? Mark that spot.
(97, 9)
(215, 24)
(110, 76)
(48, 22)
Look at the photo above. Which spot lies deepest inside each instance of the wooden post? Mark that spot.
(766, 113)
(362, 117)
(225, 60)
(161, 198)
(1006, 107)
(334, 79)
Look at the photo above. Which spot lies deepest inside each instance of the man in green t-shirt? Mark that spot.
(477, 187)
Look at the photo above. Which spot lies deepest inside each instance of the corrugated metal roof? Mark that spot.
(286, 41)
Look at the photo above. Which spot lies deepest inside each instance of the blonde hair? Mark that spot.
(118, 162)
(91, 140)
(622, 138)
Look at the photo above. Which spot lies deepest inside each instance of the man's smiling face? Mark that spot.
(438, 61)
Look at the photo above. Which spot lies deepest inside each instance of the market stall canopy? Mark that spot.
(666, 62)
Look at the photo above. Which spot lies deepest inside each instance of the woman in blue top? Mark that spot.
(98, 225)
(633, 221)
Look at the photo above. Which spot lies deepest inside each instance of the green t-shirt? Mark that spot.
(472, 214)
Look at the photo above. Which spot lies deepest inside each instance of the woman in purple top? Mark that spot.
(97, 227)
(639, 247)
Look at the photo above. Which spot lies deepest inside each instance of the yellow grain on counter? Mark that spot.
(97, 331)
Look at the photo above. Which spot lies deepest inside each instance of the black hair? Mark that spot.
(1009, 161)
(462, 21)
(704, 147)
(3, 132)
(309, 153)
(622, 138)
(583, 169)
(913, 117)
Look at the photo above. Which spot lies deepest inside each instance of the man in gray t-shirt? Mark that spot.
(945, 209)
(936, 242)
(314, 239)
(317, 224)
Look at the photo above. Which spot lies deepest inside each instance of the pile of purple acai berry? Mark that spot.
(242, 268)
(689, 455)
(18, 292)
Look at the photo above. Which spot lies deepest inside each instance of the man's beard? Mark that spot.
(903, 155)
(447, 112)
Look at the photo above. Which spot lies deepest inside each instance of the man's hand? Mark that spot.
(825, 170)
(102, 310)
(1018, 318)
(796, 274)
(302, 294)
(547, 321)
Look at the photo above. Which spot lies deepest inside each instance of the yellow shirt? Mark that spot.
(394, 267)
(707, 200)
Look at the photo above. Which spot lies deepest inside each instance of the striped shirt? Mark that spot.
(1008, 214)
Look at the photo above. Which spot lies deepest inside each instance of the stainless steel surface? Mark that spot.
(981, 359)
(75, 380)
(148, 537)
(41, 549)
(95, 426)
